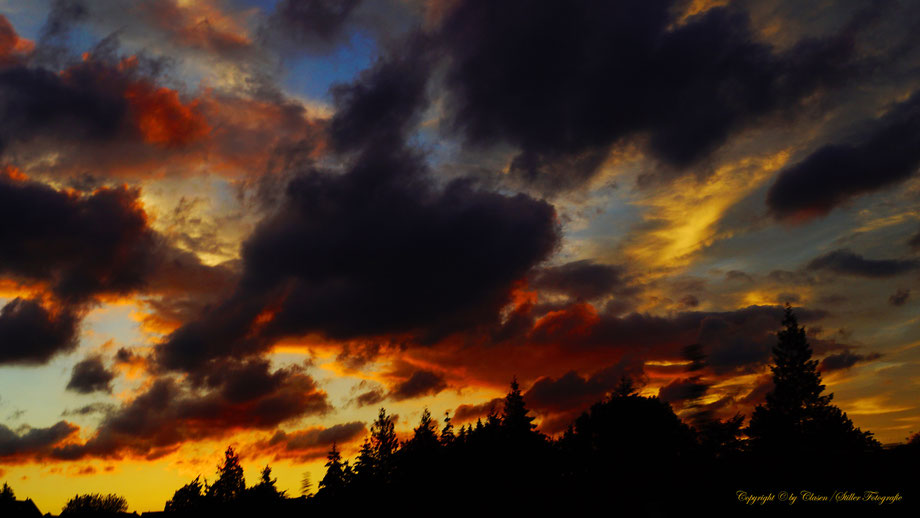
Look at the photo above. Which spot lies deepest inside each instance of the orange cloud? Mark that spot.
(12, 47)
(571, 322)
(162, 118)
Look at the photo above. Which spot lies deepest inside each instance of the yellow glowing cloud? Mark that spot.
(687, 211)
(872, 406)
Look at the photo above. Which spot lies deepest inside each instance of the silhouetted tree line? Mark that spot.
(628, 454)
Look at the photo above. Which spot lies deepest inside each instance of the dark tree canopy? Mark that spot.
(187, 498)
(95, 503)
(375, 460)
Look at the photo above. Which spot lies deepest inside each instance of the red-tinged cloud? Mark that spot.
(108, 115)
(465, 413)
(310, 443)
(237, 396)
(162, 118)
(575, 322)
(565, 367)
(12, 47)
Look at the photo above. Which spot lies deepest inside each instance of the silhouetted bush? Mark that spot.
(94, 504)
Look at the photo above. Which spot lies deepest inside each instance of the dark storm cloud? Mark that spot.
(580, 280)
(381, 105)
(33, 441)
(240, 396)
(81, 245)
(90, 375)
(574, 78)
(885, 152)
(845, 360)
(846, 262)
(30, 334)
(420, 383)
(373, 251)
(84, 246)
(39, 103)
(308, 25)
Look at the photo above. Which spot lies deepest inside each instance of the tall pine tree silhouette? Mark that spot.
(376, 457)
(335, 479)
(516, 419)
(230, 483)
(796, 417)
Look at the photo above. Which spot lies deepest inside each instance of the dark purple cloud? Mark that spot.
(90, 375)
(574, 78)
(31, 334)
(885, 152)
(420, 383)
(846, 262)
(373, 251)
(845, 360)
(581, 280)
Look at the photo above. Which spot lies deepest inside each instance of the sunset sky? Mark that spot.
(254, 223)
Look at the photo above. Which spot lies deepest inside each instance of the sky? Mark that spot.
(255, 223)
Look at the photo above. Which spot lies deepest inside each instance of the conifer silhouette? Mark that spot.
(796, 416)
(447, 432)
(376, 458)
(230, 483)
(6, 494)
(334, 480)
(187, 498)
(516, 419)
